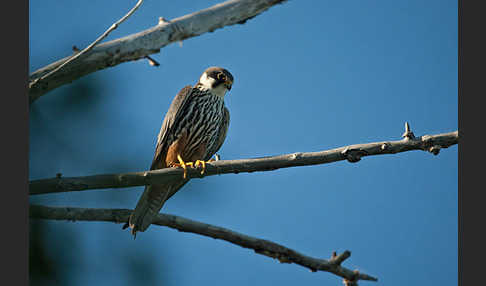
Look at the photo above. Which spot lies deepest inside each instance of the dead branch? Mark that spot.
(260, 246)
(144, 43)
(352, 153)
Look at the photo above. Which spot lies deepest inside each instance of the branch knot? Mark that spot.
(353, 155)
(435, 149)
(353, 281)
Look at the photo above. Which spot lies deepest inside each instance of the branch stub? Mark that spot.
(408, 134)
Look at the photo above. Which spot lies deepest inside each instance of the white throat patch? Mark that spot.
(207, 83)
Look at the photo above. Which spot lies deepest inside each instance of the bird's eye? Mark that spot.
(222, 76)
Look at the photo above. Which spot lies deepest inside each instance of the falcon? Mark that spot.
(193, 130)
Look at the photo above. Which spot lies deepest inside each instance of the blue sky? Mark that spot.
(309, 76)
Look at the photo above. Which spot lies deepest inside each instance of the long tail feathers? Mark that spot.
(149, 205)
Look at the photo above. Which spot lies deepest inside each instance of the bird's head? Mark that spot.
(217, 80)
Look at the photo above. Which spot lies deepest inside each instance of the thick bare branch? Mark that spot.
(144, 43)
(352, 153)
(260, 246)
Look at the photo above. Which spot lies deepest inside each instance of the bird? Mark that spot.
(193, 130)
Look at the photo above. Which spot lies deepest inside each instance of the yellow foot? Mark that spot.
(183, 165)
(197, 164)
(202, 164)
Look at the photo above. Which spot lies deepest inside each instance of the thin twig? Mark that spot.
(352, 153)
(260, 246)
(88, 48)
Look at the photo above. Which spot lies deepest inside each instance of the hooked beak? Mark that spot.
(228, 84)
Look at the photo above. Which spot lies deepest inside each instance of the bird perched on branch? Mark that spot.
(193, 130)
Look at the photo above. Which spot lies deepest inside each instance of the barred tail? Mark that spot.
(149, 205)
